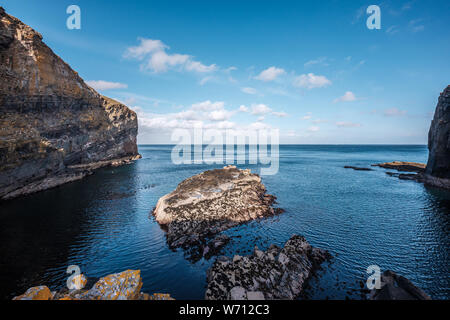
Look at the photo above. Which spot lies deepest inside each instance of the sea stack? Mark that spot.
(54, 128)
(208, 203)
(438, 168)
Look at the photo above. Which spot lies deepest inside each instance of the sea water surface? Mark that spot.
(103, 224)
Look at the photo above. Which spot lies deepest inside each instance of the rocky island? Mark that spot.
(204, 205)
(54, 128)
(276, 274)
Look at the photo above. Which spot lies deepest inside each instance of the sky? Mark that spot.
(312, 69)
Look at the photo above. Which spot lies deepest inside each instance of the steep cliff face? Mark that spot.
(438, 167)
(53, 127)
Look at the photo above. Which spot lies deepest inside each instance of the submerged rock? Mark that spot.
(54, 127)
(438, 167)
(358, 168)
(125, 285)
(395, 287)
(278, 273)
(206, 204)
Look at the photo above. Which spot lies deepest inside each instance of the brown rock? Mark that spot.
(36, 293)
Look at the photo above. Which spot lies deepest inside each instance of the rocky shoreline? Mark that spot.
(204, 205)
(125, 285)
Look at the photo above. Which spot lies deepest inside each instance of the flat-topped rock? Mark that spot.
(278, 273)
(403, 166)
(395, 287)
(209, 203)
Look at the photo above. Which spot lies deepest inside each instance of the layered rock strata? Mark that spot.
(54, 128)
(206, 204)
(276, 274)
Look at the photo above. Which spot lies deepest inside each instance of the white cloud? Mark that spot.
(313, 129)
(308, 116)
(158, 60)
(106, 85)
(415, 25)
(347, 125)
(208, 105)
(320, 61)
(280, 114)
(270, 74)
(311, 81)
(220, 115)
(347, 97)
(260, 109)
(249, 90)
(394, 112)
(243, 109)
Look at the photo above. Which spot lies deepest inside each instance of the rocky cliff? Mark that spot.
(54, 128)
(438, 167)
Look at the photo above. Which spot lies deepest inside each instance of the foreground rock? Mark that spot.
(438, 167)
(278, 273)
(119, 286)
(206, 204)
(54, 127)
(395, 287)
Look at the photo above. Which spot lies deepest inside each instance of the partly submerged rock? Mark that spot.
(206, 204)
(54, 127)
(274, 274)
(357, 168)
(395, 287)
(36, 293)
(438, 167)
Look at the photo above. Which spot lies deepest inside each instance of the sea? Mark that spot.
(103, 223)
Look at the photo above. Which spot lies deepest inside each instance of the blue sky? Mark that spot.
(310, 68)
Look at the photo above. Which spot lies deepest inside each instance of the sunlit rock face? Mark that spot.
(51, 121)
(438, 167)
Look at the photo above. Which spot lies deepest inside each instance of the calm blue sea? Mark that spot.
(103, 223)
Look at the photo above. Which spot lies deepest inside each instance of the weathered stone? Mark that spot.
(438, 167)
(395, 287)
(209, 203)
(54, 128)
(238, 293)
(274, 274)
(119, 286)
(255, 295)
(36, 293)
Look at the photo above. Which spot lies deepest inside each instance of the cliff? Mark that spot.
(54, 128)
(438, 168)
